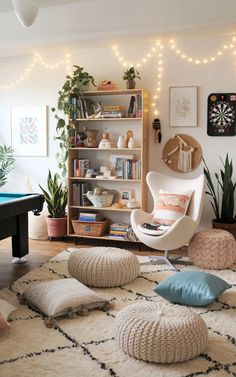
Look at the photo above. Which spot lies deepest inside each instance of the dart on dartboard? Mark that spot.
(156, 125)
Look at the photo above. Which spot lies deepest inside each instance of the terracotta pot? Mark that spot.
(225, 226)
(130, 84)
(56, 226)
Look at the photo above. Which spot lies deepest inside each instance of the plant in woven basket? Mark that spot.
(222, 194)
(75, 85)
(6, 163)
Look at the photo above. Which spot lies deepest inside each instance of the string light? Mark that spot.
(155, 50)
(204, 60)
(38, 59)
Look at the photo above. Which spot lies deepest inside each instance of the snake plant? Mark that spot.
(6, 163)
(56, 196)
(222, 196)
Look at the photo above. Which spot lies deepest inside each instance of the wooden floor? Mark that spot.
(42, 251)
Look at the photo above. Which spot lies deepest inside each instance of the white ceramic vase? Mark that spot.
(131, 143)
(121, 142)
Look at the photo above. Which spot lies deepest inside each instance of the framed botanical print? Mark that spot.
(29, 130)
(183, 106)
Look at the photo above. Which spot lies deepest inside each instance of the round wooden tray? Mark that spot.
(170, 154)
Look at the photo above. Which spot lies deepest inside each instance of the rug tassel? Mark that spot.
(50, 322)
(106, 306)
(22, 300)
(83, 312)
(71, 314)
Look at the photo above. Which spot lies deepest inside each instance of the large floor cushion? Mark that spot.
(103, 266)
(212, 248)
(160, 333)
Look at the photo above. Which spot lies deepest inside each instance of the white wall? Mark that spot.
(42, 86)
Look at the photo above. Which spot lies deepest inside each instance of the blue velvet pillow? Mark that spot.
(195, 288)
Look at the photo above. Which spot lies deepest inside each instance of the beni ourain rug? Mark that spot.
(85, 346)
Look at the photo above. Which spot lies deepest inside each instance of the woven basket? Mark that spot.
(88, 228)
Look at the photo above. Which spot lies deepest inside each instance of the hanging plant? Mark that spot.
(75, 84)
(6, 163)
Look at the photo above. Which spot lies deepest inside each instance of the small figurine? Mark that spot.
(128, 136)
(105, 143)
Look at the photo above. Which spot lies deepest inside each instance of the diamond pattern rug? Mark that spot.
(85, 346)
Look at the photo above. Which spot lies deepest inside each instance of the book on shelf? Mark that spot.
(114, 108)
(118, 230)
(119, 226)
(79, 167)
(139, 106)
(78, 191)
(135, 107)
(132, 107)
(90, 216)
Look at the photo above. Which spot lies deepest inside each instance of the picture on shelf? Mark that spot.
(126, 195)
(116, 162)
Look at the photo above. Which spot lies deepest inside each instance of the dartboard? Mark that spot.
(221, 114)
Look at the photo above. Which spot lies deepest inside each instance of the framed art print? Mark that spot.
(183, 106)
(29, 130)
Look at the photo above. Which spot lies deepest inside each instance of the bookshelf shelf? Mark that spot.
(104, 179)
(105, 119)
(98, 157)
(106, 237)
(85, 208)
(105, 149)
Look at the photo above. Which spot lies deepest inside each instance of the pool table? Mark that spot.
(14, 210)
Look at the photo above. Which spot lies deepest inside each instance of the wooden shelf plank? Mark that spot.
(105, 149)
(113, 92)
(103, 208)
(104, 179)
(100, 238)
(104, 119)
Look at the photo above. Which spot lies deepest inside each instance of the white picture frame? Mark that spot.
(114, 162)
(183, 106)
(29, 130)
(126, 195)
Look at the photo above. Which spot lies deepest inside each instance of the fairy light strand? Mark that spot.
(156, 50)
(205, 60)
(38, 60)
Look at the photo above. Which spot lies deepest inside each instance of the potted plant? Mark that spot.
(222, 196)
(56, 199)
(76, 84)
(6, 163)
(130, 75)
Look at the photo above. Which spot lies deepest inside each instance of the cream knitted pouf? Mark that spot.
(160, 333)
(103, 266)
(212, 248)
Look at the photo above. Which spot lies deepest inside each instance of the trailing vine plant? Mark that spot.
(6, 163)
(75, 84)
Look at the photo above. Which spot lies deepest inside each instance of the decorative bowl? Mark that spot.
(100, 201)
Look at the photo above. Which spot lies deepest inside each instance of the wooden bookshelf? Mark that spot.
(100, 157)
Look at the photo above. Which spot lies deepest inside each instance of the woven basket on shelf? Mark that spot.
(88, 228)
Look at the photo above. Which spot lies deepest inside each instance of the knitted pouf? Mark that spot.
(213, 248)
(103, 266)
(160, 333)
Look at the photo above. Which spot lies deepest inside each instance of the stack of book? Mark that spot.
(118, 231)
(78, 194)
(90, 216)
